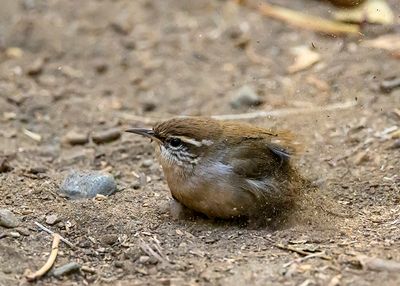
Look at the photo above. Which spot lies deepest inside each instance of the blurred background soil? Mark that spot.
(73, 68)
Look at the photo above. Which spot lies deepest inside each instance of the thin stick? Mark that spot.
(251, 115)
(53, 233)
(50, 261)
(299, 251)
(309, 256)
(285, 111)
(148, 250)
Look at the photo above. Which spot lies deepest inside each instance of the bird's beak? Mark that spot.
(142, 131)
(149, 133)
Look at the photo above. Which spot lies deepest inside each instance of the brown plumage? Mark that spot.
(226, 169)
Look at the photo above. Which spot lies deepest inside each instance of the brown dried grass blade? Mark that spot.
(305, 21)
(50, 261)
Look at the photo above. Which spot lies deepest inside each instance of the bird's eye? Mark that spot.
(175, 142)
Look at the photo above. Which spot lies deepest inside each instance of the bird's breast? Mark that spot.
(210, 188)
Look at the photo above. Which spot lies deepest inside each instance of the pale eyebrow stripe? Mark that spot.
(190, 140)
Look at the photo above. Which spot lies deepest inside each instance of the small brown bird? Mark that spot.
(224, 169)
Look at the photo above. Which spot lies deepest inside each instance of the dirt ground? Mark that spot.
(88, 66)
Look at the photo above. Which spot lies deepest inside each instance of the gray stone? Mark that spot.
(109, 239)
(106, 136)
(143, 259)
(147, 163)
(66, 269)
(52, 219)
(8, 219)
(76, 138)
(245, 97)
(88, 184)
(22, 231)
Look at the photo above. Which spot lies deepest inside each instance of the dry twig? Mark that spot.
(156, 252)
(312, 255)
(285, 111)
(306, 21)
(252, 115)
(33, 135)
(42, 227)
(302, 252)
(50, 261)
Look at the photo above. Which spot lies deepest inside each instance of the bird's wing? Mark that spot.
(256, 159)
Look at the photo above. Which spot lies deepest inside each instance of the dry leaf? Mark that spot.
(371, 11)
(305, 58)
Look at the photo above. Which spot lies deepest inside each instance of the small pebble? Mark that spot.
(245, 97)
(106, 136)
(66, 269)
(109, 239)
(14, 53)
(121, 24)
(38, 170)
(361, 157)
(143, 259)
(149, 106)
(390, 84)
(36, 67)
(76, 138)
(395, 145)
(136, 185)
(14, 234)
(4, 165)
(8, 219)
(52, 219)
(100, 198)
(100, 66)
(22, 231)
(147, 163)
(128, 43)
(88, 184)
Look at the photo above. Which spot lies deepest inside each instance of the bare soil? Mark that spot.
(92, 65)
